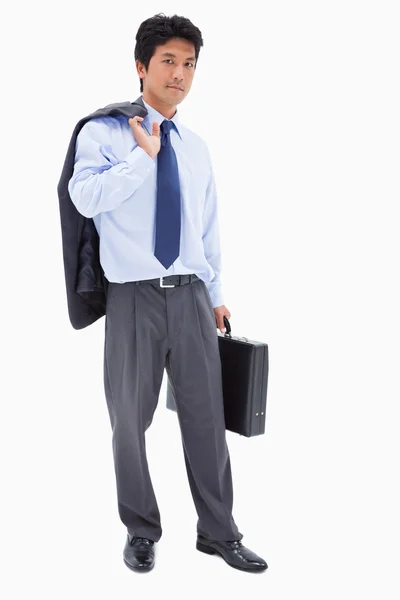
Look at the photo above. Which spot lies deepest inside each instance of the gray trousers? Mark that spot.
(149, 328)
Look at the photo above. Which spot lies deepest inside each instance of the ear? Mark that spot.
(140, 68)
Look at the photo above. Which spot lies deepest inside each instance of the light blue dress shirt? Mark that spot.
(114, 182)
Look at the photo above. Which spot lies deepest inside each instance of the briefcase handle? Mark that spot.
(228, 331)
(227, 325)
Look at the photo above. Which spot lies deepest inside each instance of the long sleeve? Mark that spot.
(99, 182)
(211, 241)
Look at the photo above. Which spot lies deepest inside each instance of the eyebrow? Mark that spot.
(173, 56)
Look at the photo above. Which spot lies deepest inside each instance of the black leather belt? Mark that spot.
(171, 280)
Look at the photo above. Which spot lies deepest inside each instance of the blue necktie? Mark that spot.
(168, 215)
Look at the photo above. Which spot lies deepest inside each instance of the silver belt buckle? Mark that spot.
(164, 286)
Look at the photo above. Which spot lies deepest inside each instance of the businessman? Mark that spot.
(148, 185)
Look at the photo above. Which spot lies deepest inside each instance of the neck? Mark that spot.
(166, 110)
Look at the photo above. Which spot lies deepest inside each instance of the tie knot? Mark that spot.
(166, 126)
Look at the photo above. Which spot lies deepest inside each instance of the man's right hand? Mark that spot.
(150, 143)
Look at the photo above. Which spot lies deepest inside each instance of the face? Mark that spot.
(172, 64)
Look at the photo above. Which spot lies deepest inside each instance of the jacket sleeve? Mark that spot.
(211, 240)
(99, 182)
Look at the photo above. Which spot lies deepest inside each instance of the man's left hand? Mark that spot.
(220, 312)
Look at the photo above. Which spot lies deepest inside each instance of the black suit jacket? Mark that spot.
(84, 277)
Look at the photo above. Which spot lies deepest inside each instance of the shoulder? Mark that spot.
(101, 127)
(193, 137)
(195, 140)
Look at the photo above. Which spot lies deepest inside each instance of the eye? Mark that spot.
(167, 59)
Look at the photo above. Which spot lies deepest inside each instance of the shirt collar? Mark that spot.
(154, 115)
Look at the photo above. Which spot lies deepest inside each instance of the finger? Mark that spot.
(136, 120)
(156, 128)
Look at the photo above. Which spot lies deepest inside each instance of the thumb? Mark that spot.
(156, 129)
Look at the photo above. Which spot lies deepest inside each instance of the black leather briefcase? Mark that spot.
(244, 380)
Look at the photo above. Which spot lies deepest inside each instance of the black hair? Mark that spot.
(158, 30)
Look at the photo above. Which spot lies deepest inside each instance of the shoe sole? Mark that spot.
(138, 569)
(208, 550)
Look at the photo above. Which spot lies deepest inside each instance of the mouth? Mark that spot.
(175, 87)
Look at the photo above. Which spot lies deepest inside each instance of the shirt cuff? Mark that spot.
(140, 161)
(216, 295)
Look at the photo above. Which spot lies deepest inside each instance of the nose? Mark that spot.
(178, 74)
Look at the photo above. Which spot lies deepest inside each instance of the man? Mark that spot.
(154, 206)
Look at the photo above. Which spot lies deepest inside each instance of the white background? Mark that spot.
(299, 105)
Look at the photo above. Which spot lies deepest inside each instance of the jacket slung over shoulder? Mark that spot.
(85, 282)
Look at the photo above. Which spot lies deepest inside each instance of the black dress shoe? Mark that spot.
(234, 553)
(139, 553)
